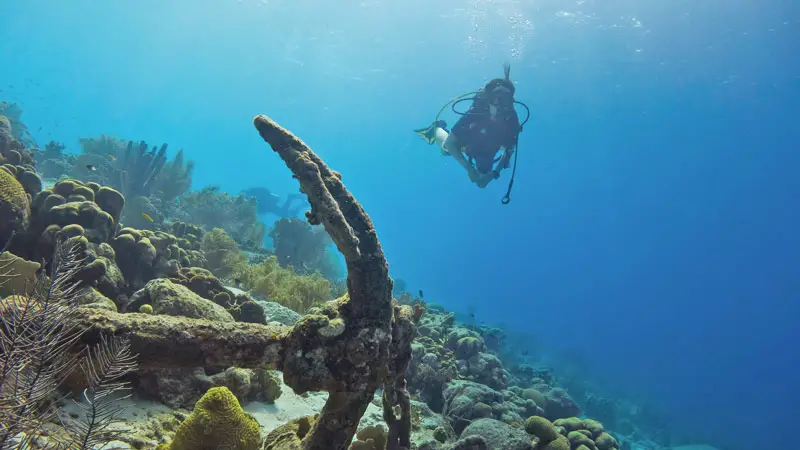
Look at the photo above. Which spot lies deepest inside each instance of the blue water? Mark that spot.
(654, 221)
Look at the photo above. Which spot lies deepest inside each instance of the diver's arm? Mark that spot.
(504, 161)
(473, 174)
(486, 178)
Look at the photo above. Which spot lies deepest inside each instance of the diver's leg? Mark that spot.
(453, 147)
(441, 135)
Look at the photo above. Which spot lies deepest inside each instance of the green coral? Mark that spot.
(217, 422)
(284, 285)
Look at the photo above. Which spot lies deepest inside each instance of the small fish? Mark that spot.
(112, 157)
(147, 217)
(238, 282)
(91, 168)
(421, 295)
(525, 352)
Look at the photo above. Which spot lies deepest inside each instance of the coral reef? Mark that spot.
(214, 316)
(356, 345)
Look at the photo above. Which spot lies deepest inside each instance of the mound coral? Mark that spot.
(71, 202)
(189, 236)
(570, 433)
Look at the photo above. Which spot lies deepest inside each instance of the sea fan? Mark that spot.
(106, 365)
(37, 333)
(37, 336)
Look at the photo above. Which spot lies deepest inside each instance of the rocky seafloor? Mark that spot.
(161, 264)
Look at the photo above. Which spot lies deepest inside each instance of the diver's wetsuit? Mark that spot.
(480, 136)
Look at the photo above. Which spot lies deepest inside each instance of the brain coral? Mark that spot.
(217, 422)
(14, 206)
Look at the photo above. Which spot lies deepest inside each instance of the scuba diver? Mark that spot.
(490, 124)
(268, 202)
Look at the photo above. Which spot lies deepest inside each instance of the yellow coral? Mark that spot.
(218, 421)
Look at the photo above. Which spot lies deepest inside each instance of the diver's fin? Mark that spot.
(429, 133)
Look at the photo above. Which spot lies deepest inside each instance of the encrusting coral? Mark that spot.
(354, 346)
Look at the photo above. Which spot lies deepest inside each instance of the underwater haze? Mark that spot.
(652, 234)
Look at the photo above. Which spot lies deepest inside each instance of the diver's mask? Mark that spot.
(500, 95)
